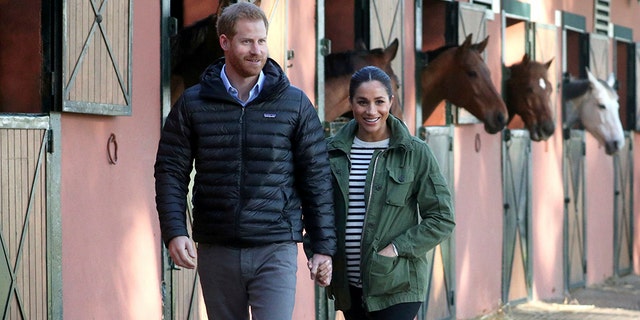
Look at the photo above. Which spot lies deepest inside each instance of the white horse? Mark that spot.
(594, 104)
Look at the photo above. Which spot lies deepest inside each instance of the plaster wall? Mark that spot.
(625, 13)
(301, 71)
(547, 207)
(599, 180)
(636, 202)
(478, 233)
(599, 212)
(478, 206)
(111, 239)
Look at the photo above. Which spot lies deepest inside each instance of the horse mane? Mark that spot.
(575, 88)
(335, 66)
(433, 54)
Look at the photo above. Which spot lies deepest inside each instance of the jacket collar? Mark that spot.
(400, 136)
(212, 86)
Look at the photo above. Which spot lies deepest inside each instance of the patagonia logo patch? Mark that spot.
(269, 115)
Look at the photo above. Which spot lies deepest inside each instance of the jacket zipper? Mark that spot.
(366, 213)
(241, 176)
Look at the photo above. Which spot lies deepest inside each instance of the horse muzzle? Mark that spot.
(542, 132)
(495, 123)
(613, 146)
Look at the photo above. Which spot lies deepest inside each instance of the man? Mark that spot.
(262, 174)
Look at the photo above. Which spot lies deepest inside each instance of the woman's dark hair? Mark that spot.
(366, 74)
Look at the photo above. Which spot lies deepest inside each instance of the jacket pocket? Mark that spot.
(388, 275)
(399, 186)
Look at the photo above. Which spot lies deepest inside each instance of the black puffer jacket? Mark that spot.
(259, 169)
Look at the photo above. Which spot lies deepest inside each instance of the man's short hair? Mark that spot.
(241, 10)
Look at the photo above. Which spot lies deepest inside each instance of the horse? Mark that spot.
(593, 103)
(340, 66)
(458, 73)
(528, 95)
(193, 49)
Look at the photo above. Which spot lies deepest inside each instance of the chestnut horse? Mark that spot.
(528, 95)
(340, 66)
(593, 103)
(459, 74)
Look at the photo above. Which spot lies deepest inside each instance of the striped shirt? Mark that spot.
(361, 154)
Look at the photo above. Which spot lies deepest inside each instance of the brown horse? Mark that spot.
(459, 74)
(340, 66)
(528, 94)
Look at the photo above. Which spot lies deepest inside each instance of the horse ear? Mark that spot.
(591, 77)
(480, 46)
(611, 80)
(467, 41)
(525, 58)
(359, 45)
(548, 64)
(391, 50)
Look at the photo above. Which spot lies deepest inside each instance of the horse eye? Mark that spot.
(472, 73)
(602, 106)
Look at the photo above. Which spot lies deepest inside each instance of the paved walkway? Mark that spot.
(615, 299)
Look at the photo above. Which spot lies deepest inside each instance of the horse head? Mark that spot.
(340, 66)
(460, 75)
(594, 103)
(528, 94)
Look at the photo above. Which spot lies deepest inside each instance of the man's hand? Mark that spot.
(321, 269)
(183, 252)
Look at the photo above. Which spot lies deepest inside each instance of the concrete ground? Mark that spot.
(614, 299)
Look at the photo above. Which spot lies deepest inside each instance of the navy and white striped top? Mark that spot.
(361, 154)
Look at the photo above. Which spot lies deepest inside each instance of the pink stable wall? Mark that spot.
(111, 241)
(408, 85)
(598, 190)
(599, 178)
(478, 206)
(547, 189)
(626, 13)
(302, 73)
(636, 201)
(547, 186)
(110, 234)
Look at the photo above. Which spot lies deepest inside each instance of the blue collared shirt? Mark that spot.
(253, 93)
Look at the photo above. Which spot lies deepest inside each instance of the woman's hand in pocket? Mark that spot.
(389, 251)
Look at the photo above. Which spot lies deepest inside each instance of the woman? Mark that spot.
(385, 180)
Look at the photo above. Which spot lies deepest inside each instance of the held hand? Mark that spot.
(183, 252)
(320, 268)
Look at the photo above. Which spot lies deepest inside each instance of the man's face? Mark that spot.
(246, 53)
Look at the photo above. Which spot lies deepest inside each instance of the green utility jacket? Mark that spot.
(408, 203)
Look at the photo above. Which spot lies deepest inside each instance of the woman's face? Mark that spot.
(370, 105)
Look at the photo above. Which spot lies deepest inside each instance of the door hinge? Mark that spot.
(52, 79)
(49, 141)
(452, 298)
